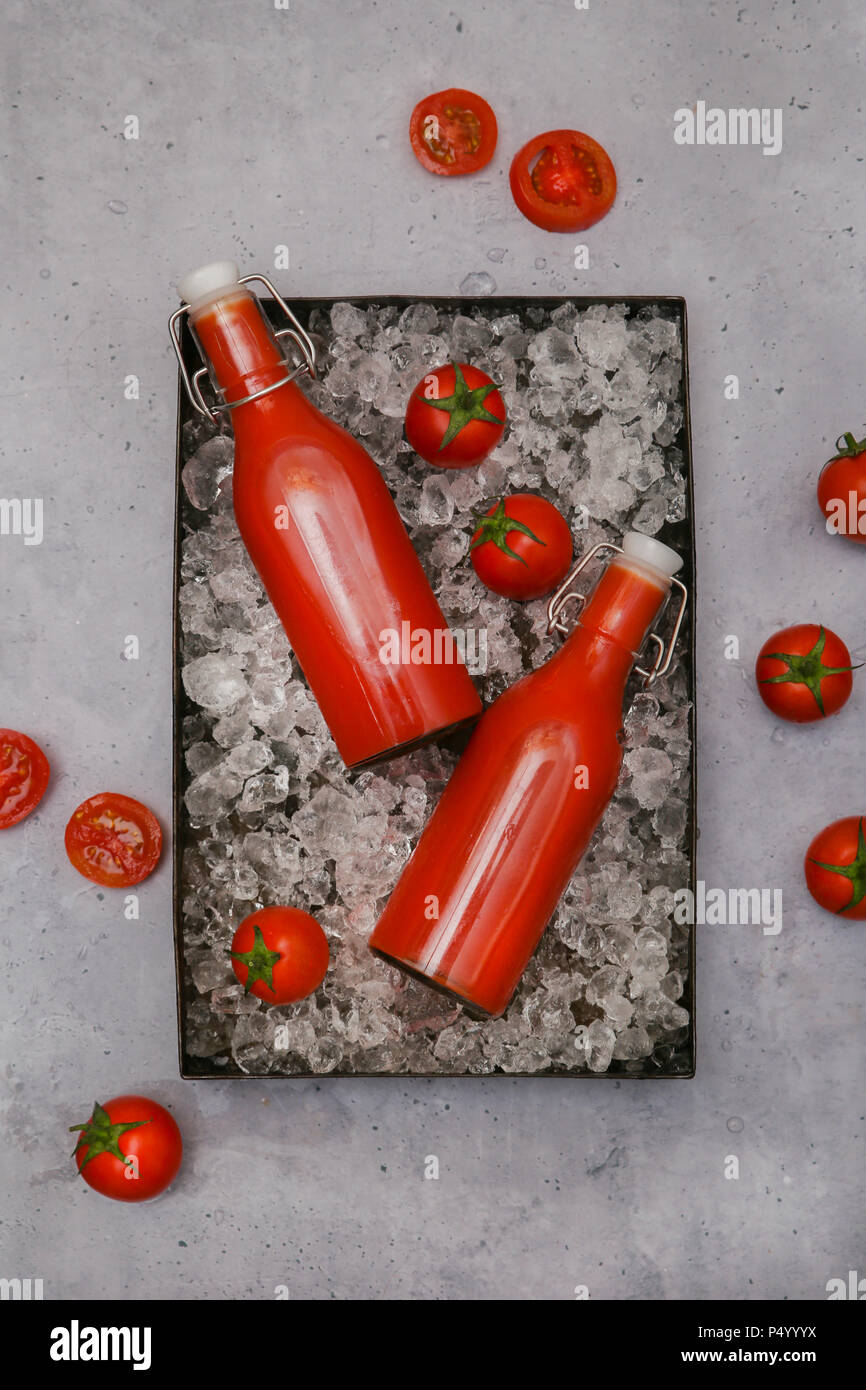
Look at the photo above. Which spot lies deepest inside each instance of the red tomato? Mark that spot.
(130, 1149)
(113, 840)
(563, 181)
(522, 548)
(836, 868)
(453, 132)
(804, 673)
(24, 773)
(455, 416)
(842, 490)
(280, 954)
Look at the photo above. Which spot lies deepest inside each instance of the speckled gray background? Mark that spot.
(261, 126)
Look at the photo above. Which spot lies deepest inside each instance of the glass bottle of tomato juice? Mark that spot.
(324, 534)
(528, 793)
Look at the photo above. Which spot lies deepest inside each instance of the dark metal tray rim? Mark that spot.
(188, 1070)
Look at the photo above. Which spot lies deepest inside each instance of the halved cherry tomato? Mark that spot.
(280, 954)
(522, 548)
(563, 181)
(130, 1149)
(455, 416)
(804, 673)
(113, 840)
(453, 132)
(836, 868)
(842, 489)
(24, 774)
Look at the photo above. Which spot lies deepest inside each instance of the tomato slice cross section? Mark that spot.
(113, 840)
(24, 774)
(563, 181)
(453, 132)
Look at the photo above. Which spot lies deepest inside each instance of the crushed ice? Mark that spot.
(595, 404)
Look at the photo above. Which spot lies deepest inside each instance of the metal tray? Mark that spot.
(675, 1059)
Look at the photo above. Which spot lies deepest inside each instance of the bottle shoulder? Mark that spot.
(552, 698)
(289, 439)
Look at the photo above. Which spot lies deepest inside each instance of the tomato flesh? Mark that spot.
(460, 129)
(24, 774)
(557, 182)
(453, 132)
(130, 1149)
(113, 840)
(280, 954)
(563, 181)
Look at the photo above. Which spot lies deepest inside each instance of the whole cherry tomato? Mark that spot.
(563, 181)
(804, 673)
(455, 416)
(522, 547)
(836, 868)
(280, 954)
(130, 1149)
(113, 840)
(24, 774)
(453, 132)
(842, 489)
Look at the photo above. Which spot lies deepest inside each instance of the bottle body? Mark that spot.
(520, 809)
(323, 532)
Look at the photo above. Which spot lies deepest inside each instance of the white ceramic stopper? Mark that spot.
(208, 280)
(651, 552)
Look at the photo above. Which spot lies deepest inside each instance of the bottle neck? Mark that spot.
(239, 344)
(615, 620)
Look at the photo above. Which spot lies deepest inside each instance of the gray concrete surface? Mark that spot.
(259, 127)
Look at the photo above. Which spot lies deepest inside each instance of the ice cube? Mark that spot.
(236, 585)
(632, 1043)
(249, 758)
(202, 474)
(470, 337)
(327, 822)
(492, 476)
(465, 491)
(418, 319)
(599, 1043)
(209, 969)
(436, 505)
(669, 821)
(215, 681)
(265, 789)
(253, 1041)
(210, 795)
(477, 284)
(650, 770)
(554, 353)
(347, 321)
(602, 342)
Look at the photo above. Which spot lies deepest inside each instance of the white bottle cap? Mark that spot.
(651, 552)
(207, 281)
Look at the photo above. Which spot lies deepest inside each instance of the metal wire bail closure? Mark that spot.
(295, 332)
(565, 595)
